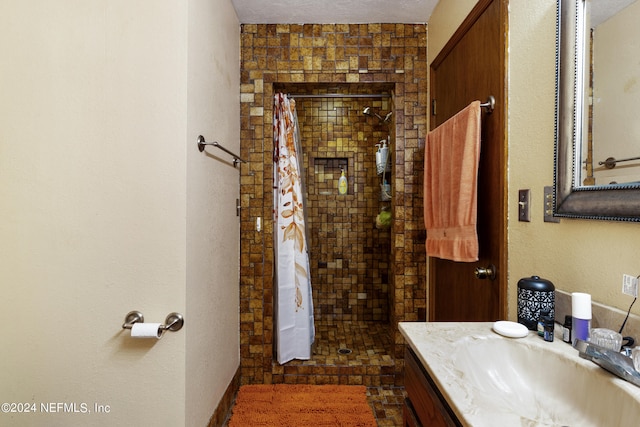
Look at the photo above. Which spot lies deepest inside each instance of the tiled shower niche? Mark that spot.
(324, 174)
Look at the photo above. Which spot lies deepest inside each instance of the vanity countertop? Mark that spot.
(439, 346)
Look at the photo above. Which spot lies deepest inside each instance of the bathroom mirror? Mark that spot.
(586, 182)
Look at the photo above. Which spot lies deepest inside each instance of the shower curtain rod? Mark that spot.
(341, 95)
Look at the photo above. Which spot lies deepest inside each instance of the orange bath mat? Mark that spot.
(284, 405)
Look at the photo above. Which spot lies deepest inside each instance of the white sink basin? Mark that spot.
(490, 380)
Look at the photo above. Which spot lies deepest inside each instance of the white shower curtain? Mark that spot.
(294, 306)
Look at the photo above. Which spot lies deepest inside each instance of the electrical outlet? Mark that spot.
(630, 285)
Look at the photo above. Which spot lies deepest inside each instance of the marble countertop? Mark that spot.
(438, 346)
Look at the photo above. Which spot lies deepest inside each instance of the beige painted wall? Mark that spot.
(576, 255)
(213, 185)
(103, 197)
(443, 23)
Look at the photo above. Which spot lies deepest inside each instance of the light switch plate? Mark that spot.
(524, 201)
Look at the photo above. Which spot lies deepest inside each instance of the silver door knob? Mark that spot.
(488, 272)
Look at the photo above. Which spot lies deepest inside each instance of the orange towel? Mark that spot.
(452, 153)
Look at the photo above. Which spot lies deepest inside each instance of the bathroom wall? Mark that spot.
(350, 258)
(576, 255)
(330, 54)
(106, 206)
(211, 284)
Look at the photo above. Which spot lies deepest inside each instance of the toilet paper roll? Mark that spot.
(581, 305)
(146, 330)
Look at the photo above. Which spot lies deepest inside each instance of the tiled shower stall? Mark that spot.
(350, 257)
(365, 280)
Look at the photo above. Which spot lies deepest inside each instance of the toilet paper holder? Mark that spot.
(173, 322)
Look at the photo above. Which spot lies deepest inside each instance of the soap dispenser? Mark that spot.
(343, 185)
(382, 157)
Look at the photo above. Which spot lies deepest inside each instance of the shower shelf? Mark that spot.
(327, 171)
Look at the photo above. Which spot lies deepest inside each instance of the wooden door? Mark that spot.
(471, 67)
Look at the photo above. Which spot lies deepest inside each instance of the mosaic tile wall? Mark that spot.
(350, 259)
(350, 58)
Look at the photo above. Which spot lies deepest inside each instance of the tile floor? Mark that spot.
(387, 405)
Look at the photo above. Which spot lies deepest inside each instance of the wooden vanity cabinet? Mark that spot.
(424, 405)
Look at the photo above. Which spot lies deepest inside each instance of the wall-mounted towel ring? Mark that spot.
(202, 143)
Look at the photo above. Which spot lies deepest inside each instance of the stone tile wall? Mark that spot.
(350, 257)
(345, 58)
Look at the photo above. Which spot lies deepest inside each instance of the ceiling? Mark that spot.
(601, 10)
(333, 11)
(364, 11)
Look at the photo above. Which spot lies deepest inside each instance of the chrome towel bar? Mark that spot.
(611, 162)
(202, 143)
(489, 104)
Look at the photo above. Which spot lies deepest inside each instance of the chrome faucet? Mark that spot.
(614, 362)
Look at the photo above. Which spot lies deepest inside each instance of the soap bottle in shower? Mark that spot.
(343, 185)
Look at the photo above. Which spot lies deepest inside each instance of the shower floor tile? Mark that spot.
(368, 342)
(369, 363)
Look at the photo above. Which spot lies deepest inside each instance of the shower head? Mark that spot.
(367, 112)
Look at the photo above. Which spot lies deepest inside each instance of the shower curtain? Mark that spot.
(293, 304)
